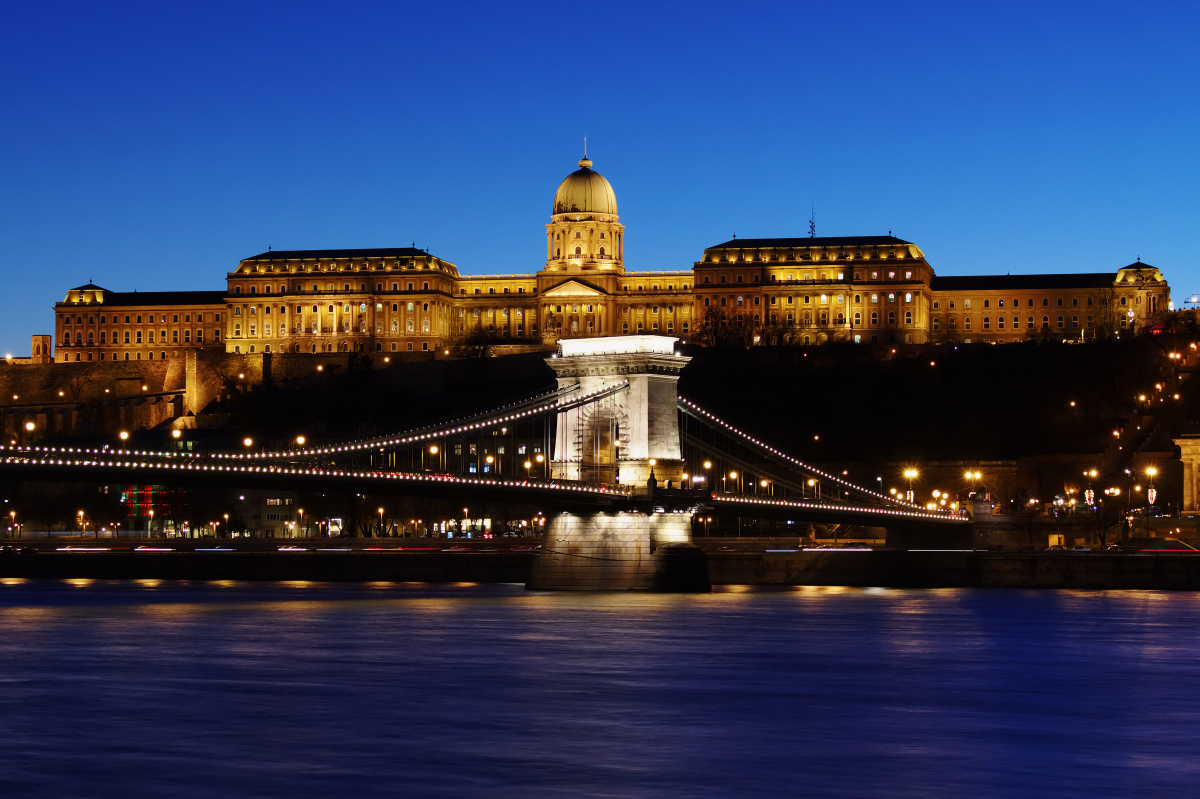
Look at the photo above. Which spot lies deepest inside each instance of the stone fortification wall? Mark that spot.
(104, 397)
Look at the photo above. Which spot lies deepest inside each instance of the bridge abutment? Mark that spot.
(621, 551)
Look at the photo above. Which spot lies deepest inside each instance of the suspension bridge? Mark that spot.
(619, 461)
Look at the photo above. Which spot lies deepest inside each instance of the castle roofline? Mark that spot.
(372, 252)
(822, 241)
(1074, 280)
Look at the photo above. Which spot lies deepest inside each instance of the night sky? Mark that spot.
(152, 145)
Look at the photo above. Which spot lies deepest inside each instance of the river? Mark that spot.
(384, 690)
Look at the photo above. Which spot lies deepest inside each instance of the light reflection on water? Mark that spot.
(239, 689)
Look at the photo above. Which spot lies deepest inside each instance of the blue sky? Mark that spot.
(152, 145)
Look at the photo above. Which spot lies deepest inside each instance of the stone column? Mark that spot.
(1189, 453)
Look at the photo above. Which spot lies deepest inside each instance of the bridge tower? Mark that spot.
(623, 438)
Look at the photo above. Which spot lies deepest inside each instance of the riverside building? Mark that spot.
(865, 289)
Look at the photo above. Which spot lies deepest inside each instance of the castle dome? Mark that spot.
(585, 191)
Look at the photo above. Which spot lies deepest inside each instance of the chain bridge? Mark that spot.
(621, 465)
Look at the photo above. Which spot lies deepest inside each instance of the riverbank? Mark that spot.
(476, 562)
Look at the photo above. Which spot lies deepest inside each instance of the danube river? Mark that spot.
(299, 690)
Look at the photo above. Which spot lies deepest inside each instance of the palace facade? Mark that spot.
(867, 289)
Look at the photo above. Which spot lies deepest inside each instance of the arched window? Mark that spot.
(1060, 323)
(1045, 323)
(1074, 321)
(987, 323)
(601, 252)
(908, 318)
(578, 251)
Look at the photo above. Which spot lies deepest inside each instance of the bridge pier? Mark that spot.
(620, 551)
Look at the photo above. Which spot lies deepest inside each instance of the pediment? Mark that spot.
(573, 288)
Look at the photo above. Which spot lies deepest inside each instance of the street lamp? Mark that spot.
(150, 524)
(910, 475)
(381, 521)
(1151, 492)
(226, 515)
(490, 460)
(248, 441)
(13, 515)
(123, 435)
(81, 528)
(528, 465)
(464, 527)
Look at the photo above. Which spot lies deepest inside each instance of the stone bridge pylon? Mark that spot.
(621, 438)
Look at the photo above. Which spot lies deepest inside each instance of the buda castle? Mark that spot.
(866, 289)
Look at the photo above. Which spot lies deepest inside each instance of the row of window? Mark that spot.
(351, 267)
(91, 320)
(807, 277)
(316, 329)
(845, 255)
(1030, 323)
(252, 310)
(343, 347)
(1016, 303)
(113, 356)
(492, 290)
(137, 337)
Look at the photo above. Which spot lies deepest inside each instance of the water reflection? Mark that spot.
(205, 689)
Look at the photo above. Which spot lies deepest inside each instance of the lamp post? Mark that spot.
(464, 527)
(226, 515)
(910, 475)
(150, 525)
(528, 465)
(540, 458)
(380, 522)
(13, 515)
(1151, 495)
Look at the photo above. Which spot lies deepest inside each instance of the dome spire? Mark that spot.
(585, 163)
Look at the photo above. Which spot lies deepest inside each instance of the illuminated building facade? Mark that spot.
(866, 289)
